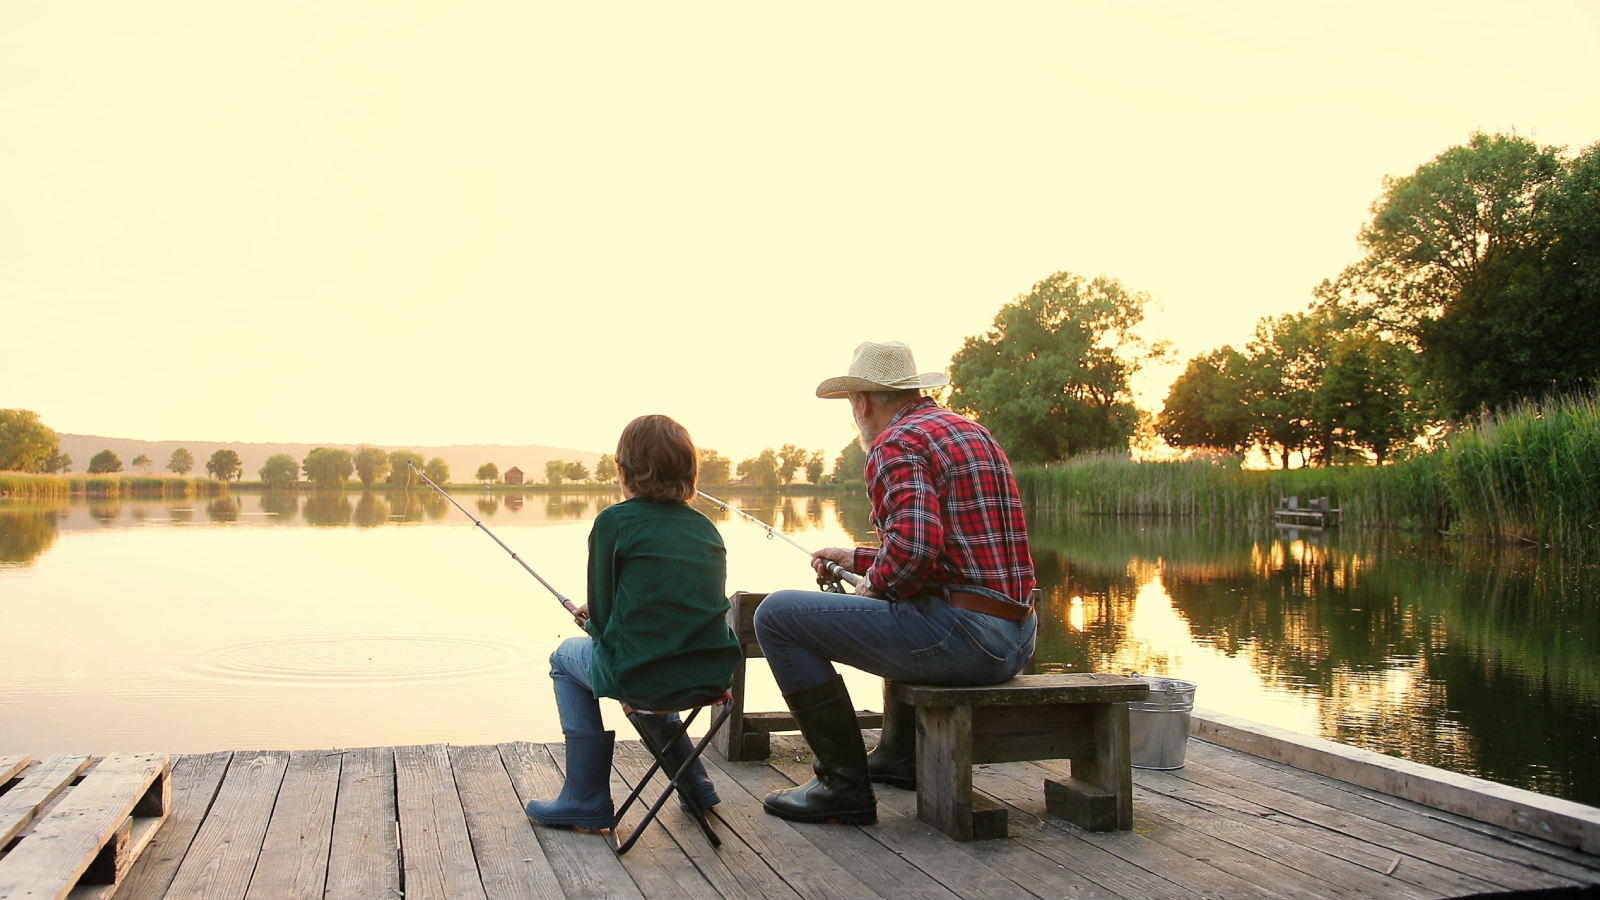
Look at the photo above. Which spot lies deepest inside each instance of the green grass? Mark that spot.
(24, 485)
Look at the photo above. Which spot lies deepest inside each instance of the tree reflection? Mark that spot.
(224, 509)
(106, 511)
(327, 509)
(280, 506)
(435, 506)
(371, 510)
(25, 535)
(407, 506)
(488, 505)
(855, 517)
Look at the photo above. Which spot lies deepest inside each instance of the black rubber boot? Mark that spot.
(694, 781)
(841, 791)
(894, 762)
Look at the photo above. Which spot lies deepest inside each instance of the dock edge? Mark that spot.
(1525, 812)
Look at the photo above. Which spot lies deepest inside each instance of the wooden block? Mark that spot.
(741, 615)
(1111, 768)
(112, 862)
(38, 786)
(157, 800)
(944, 769)
(990, 820)
(1020, 733)
(1084, 805)
(754, 747)
(1028, 690)
(11, 767)
(769, 722)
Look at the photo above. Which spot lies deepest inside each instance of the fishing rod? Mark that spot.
(571, 607)
(834, 570)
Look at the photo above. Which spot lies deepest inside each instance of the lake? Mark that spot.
(273, 621)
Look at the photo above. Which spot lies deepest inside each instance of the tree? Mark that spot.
(555, 471)
(714, 467)
(280, 471)
(575, 471)
(59, 462)
(1476, 260)
(605, 471)
(26, 444)
(1208, 405)
(1364, 400)
(371, 464)
(851, 466)
(104, 463)
(488, 473)
(141, 462)
(761, 470)
(1051, 378)
(400, 463)
(181, 462)
(437, 470)
(327, 467)
(814, 468)
(225, 465)
(791, 459)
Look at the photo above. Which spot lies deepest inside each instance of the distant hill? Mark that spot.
(463, 459)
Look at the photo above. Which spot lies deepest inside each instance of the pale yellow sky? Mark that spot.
(519, 223)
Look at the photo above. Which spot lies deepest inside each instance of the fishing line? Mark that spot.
(834, 570)
(571, 607)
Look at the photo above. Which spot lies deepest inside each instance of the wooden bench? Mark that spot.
(1079, 717)
(748, 736)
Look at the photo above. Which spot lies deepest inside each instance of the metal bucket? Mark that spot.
(1159, 726)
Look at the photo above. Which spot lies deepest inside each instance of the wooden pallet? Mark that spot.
(71, 826)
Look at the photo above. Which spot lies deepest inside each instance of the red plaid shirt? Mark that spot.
(946, 508)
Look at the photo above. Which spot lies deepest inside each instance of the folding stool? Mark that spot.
(725, 700)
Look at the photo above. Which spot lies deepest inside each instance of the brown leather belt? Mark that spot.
(1000, 609)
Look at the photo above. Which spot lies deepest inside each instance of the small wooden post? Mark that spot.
(944, 769)
(1111, 768)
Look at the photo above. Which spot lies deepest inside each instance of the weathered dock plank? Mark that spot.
(656, 863)
(364, 857)
(434, 844)
(293, 864)
(222, 857)
(584, 864)
(510, 860)
(195, 780)
(38, 785)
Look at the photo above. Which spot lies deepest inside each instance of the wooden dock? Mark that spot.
(442, 821)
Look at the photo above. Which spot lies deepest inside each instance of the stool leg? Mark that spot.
(944, 769)
(1111, 770)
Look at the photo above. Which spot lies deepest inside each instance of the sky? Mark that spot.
(522, 223)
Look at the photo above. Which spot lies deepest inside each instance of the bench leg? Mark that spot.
(1103, 793)
(944, 777)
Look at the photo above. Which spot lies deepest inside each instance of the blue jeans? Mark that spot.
(576, 704)
(923, 640)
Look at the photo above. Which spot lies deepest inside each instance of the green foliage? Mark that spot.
(575, 471)
(59, 462)
(1530, 472)
(142, 463)
(26, 444)
(181, 462)
(714, 467)
(791, 460)
(400, 464)
(761, 470)
(814, 468)
(225, 465)
(605, 471)
(555, 472)
(851, 465)
(1208, 405)
(1486, 258)
(104, 463)
(25, 535)
(371, 463)
(489, 473)
(437, 470)
(280, 471)
(1051, 378)
(327, 467)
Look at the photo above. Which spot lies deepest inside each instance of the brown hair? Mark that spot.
(657, 459)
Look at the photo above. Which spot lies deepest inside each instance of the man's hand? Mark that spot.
(846, 559)
(582, 615)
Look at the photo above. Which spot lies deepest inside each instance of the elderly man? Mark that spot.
(947, 599)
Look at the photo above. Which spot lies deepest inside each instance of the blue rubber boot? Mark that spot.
(694, 782)
(585, 801)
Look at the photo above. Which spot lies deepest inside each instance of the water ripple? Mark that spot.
(361, 658)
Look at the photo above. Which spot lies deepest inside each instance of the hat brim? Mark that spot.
(836, 388)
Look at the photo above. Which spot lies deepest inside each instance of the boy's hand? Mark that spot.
(582, 615)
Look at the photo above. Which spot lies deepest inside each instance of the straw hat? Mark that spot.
(881, 367)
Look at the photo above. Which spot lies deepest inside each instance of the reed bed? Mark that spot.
(31, 486)
(1530, 472)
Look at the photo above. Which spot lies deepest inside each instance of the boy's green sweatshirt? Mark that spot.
(657, 605)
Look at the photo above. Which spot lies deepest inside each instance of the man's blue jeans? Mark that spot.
(923, 640)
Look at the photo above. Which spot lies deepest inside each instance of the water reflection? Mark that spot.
(488, 505)
(25, 535)
(327, 509)
(224, 509)
(371, 510)
(279, 507)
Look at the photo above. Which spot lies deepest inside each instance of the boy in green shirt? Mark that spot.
(656, 618)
